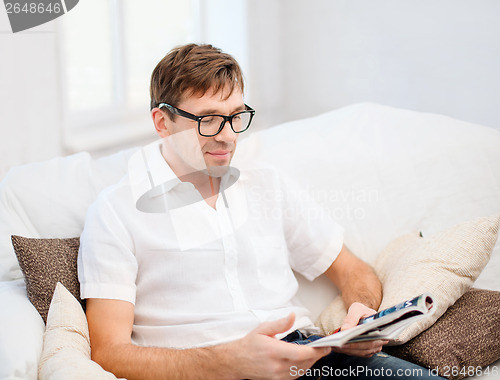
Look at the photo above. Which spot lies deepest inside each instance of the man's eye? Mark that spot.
(207, 120)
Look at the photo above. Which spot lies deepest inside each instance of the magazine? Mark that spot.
(385, 325)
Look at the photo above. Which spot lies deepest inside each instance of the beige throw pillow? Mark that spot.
(445, 265)
(66, 342)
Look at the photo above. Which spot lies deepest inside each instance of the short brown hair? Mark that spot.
(193, 69)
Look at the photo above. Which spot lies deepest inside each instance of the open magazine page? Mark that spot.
(387, 324)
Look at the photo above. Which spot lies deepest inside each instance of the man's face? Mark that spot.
(197, 152)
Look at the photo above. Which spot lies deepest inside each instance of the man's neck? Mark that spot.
(206, 184)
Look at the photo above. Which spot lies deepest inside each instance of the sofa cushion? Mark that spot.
(50, 199)
(465, 339)
(45, 262)
(445, 265)
(66, 342)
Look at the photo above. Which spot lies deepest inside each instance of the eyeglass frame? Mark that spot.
(187, 115)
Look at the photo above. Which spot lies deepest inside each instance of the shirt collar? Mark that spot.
(147, 169)
(150, 177)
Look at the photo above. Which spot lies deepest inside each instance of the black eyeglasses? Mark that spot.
(210, 125)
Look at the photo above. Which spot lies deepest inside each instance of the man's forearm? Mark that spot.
(362, 285)
(134, 362)
(355, 279)
(257, 355)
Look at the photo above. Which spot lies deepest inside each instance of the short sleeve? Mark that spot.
(107, 266)
(313, 238)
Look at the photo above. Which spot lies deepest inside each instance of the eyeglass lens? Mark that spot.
(210, 125)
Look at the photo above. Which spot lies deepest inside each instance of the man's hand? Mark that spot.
(261, 356)
(363, 349)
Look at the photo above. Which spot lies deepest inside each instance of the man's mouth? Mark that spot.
(221, 154)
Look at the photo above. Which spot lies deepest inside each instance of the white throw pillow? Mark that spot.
(66, 342)
(445, 265)
(49, 199)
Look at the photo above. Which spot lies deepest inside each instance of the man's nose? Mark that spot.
(226, 134)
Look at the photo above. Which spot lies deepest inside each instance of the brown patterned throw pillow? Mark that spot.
(45, 262)
(464, 339)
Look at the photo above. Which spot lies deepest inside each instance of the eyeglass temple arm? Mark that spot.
(177, 111)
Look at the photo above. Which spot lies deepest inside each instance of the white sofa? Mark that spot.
(380, 171)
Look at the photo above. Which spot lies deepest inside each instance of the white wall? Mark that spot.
(434, 56)
(30, 122)
(265, 76)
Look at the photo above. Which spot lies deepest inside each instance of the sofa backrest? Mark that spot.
(383, 171)
(50, 199)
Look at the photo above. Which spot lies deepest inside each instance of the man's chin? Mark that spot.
(217, 170)
(217, 165)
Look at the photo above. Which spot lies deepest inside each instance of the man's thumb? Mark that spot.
(348, 323)
(275, 327)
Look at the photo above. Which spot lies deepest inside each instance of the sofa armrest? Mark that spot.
(21, 333)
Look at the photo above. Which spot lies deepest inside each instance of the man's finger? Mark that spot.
(356, 311)
(365, 353)
(300, 353)
(303, 353)
(349, 322)
(370, 345)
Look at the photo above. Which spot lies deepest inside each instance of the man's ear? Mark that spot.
(161, 122)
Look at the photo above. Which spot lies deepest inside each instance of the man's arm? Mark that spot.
(362, 294)
(257, 355)
(355, 279)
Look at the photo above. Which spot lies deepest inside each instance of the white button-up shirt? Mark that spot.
(201, 276)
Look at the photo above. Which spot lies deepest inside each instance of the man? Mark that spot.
(187, 268)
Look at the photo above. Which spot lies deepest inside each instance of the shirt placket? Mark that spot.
(230, 256)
